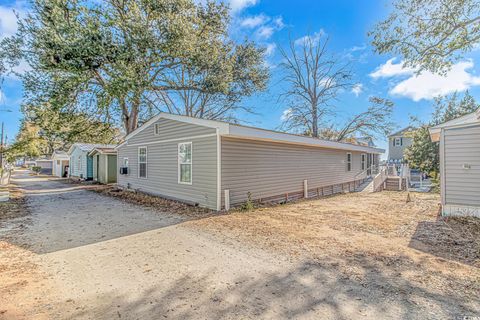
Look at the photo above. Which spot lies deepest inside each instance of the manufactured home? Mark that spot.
(104, 164)
(459, 164)
(60, 162)
(217, 164)
(81, 164)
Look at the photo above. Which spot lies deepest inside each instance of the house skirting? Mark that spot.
(317, 192)
(456, 210)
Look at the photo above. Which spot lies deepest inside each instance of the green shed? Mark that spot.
(104, 165)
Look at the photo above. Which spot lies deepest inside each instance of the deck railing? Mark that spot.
(380, 178)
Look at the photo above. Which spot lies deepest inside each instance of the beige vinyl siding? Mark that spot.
(462, 146)
(104, 176)
(162, 162)
(169, 129)
(267, 169)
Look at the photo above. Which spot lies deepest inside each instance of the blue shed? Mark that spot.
(81, 164)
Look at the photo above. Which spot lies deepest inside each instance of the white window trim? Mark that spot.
(399, 144)
(363, 161)
(191, 163)
(349, 163)
(146, 162)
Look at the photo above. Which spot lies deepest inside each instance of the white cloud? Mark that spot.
(314, 37)
(358, 48)
(357, 89)
(428, 85)
(255, 21)
(286, 114)
(265, 32)
(8, 18)
(270, 49)
(279, 23)
(391, 69)
(22, 67)
(239, 5)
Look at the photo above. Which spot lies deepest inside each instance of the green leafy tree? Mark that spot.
(423, 153)
(28, 142)
(60, 129)
(126, 59)
(429, 34)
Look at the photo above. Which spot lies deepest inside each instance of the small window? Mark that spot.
(397, 142)
(349, 162)
(185, 163)
(142, 162)
(157, 129)
(125, 162)
(364, 156)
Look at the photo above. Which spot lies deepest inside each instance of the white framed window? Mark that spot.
(142, 162)
(364, 159)
(185, 163)
(349, 161)
(397, 142)
(156, 129)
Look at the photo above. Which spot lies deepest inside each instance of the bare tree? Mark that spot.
(375, 120)
(315, 78)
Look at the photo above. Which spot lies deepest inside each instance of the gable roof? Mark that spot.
(87, 147)
(60, 154)
(103, 150)
(470, 118)
(226, 129)
(401, 132)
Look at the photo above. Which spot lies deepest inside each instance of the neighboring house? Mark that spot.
(365, 141)
(208, 163)
(397, 143)
(81, 164)
(46, 165)
(459, 164)
(104, 164)
(60, 163)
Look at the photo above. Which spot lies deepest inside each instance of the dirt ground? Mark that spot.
(378, 240)
(70, 253)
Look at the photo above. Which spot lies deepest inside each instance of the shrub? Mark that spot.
(248, 205)
(36, 169)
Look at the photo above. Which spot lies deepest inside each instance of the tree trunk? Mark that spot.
(130, 118)
(314, 121)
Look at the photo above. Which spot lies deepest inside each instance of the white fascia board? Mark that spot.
(466, 119)
(70, 150)
(273, 136)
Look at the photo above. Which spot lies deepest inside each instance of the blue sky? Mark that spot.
(271, 22)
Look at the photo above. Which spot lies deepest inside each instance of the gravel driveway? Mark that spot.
(82, 255)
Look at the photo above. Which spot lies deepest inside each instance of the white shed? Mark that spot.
(61, 161)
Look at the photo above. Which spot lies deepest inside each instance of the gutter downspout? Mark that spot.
(219, 170)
